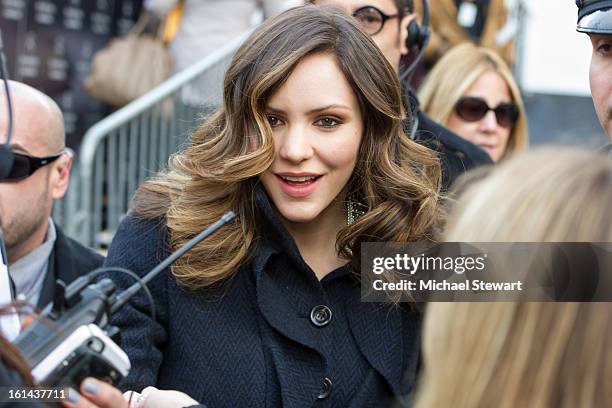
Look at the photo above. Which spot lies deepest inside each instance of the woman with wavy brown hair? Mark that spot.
(308, 151)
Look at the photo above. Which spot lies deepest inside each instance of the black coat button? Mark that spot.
(327, 387)
(320, 315)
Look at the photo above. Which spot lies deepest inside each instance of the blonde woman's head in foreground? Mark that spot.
(547, 195)
(525, 354)
(471, 90)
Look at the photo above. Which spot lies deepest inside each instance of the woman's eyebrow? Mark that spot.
(332, 106)
(271, 109)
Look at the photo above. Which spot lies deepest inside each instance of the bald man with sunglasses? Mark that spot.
(38, 252)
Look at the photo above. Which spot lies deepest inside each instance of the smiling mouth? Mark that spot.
(299, 180)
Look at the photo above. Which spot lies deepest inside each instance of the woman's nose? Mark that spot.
(489, 122)
(295, 144)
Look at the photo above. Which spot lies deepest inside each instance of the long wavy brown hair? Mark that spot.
(397, 179)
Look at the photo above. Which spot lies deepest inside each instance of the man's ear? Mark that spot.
(60, 175)
(406, 20)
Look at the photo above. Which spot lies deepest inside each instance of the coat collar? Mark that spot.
(274, 237)
(277, 286)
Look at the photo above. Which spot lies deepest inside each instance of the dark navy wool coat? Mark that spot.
(273, 335)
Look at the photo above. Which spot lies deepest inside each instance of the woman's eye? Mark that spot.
(328, 122)
(274, 121)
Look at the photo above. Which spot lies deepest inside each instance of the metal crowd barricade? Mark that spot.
(118, 153)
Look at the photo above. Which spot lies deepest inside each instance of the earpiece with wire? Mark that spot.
(418, 37)
(6, 156)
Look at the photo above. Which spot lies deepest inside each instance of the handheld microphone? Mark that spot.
(72, 338)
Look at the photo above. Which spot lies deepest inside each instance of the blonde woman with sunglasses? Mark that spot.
(472, 92)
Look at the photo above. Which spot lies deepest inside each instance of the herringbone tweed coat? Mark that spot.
(252, 341)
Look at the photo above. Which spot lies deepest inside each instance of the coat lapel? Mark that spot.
(64, 264)
(389, 337)
(278, 267)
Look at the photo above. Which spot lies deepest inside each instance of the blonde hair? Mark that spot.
(525, 354)
(395, 178)
(456, 71)
(546, 195)
(506, 355)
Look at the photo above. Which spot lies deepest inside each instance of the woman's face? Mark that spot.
(486, 132)
(317, 128)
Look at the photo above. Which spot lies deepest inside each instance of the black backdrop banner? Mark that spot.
(50, 44)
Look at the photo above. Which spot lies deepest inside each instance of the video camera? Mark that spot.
(72, 338)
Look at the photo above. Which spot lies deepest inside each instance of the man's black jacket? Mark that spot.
(68, 261)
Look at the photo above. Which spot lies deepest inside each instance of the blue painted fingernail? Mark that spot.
(91, 386)
(73, 396)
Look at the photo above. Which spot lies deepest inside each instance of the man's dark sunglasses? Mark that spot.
(24, 166)
(371, 19)
(473, 109)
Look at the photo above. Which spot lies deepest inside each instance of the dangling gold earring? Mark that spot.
(354, 209)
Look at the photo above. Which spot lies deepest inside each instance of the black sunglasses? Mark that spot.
(371, 19)
(473, 109)
(24, 166)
